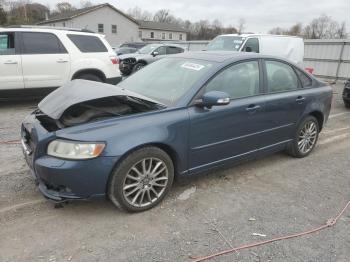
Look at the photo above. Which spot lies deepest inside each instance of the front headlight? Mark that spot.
(74, 149)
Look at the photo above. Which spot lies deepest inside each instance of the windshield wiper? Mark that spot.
(141, 101)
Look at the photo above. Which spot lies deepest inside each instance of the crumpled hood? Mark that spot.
(78, 91)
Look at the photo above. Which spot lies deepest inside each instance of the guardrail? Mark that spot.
(330, 58)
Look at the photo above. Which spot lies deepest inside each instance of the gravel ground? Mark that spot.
(272, 196)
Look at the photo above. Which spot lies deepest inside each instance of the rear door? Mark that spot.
(45, 61)
(10, 62)
(285, 101)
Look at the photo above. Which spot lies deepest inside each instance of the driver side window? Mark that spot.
(252, 45)
(239, 80)
(161, 50)
(7, 44)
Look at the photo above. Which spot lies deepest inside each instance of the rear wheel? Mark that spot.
(142, 180)
(90, 77)
(138, 67)
(305, 138)
(347, 104)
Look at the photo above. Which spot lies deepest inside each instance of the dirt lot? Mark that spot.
(272, 196)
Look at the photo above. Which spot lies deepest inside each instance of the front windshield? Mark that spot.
(225, 43)
(147, 49)
(166, 80)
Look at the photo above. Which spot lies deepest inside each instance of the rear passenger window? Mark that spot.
(304, 79)
(41, 43)
(280, 77)
(240, 80)
(88, 43)
(173, 50)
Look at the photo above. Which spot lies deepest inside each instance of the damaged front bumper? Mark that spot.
(60, 179)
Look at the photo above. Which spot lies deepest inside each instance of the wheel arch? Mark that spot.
(319, 116)
(142, 61)
(165, 147)
(92, 71)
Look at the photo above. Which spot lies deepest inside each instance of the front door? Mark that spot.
(226, 133)
(45, 60)
(10, 62)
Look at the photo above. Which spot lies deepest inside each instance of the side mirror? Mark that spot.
(155, 53)
(214, 98)
(248, 49)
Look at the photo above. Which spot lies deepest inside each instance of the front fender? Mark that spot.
(124, 134)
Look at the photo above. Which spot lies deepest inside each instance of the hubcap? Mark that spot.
(145, 182)
(307, 137)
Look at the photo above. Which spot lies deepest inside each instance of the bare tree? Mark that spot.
(341, 31)
(164, 16)
(138, 14)
(241, 25)
(86, 3)
(64, 7)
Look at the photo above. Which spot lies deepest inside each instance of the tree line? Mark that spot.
(15, 12)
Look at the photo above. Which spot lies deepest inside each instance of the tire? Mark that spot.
(90, 77)
(139, 191)
(347, 104)
(309, 126)
(137, 67)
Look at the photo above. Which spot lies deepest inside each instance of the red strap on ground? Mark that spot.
(329, 223)
(10, 142)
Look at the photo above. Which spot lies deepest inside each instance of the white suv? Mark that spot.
(41, 57)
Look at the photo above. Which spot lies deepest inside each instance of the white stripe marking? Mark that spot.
(339, 114)
(333, 138)
(18, 206)
(336, 130)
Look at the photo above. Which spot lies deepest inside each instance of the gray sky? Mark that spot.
(260, 16)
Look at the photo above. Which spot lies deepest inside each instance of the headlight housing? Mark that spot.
(74, 149)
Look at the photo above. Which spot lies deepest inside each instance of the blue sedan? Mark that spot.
(179, 116)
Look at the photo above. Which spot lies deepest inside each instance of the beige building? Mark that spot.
(115, 25)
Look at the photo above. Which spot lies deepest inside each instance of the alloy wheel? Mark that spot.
(307, 137)
(145, 182)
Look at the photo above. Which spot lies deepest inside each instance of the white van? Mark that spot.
(289, 47)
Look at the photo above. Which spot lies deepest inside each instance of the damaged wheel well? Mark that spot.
(95, 72)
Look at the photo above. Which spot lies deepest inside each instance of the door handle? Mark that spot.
(300, 99)
(10, 62)
(252, 108)
(62, 61)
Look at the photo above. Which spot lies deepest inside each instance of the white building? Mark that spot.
(155, 31)
(115, 25)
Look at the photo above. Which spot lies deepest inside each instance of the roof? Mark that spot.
(222, 56)
(251, 34)
(160, 26)
(77, 12)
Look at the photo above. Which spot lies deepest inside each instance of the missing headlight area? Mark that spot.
(95, 110)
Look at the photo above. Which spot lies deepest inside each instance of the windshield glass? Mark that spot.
(147, 49)
(226, 43)
(166, 80)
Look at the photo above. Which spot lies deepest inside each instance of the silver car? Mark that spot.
(130, 63)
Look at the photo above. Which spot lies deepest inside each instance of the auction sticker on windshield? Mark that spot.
(193, 66)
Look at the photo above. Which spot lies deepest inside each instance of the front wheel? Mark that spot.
(142, 180)
(305, 138)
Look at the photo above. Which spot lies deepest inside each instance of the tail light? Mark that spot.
(114, 60)
(309, 70)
